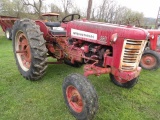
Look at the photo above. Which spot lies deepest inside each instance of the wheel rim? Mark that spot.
(120, 80)
(23, 51)
(74, 99)
(148, 61)
(7, 33)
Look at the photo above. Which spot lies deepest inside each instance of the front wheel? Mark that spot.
(150, 60)
(80, 97)
(123, 83)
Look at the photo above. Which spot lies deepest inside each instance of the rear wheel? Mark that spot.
(29, 49)
(8, 33)
(80, 97)
(150, 60)
(123, 83)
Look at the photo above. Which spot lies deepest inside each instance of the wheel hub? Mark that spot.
(74, 99)
(23, 51)
(148, 61)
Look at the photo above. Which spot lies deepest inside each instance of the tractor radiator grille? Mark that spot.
(131, 55)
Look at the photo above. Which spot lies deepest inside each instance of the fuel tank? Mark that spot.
(101, 33)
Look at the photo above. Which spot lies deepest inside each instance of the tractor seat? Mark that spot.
(53, 24)
(55, 28)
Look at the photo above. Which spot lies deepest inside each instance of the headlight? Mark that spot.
(114, 37)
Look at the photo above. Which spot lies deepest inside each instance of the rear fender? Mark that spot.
(43, 27)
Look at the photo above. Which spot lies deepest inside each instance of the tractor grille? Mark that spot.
(131, 55)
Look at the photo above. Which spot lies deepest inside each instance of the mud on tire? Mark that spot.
(80, 97)
(29, 49)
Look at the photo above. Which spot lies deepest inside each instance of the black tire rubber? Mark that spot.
(37, 48)
(76, 64)
(128, 84)
(8, 33)
(155, 55)
(88, 94)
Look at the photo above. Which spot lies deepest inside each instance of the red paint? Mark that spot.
(103, 54)
(148, 61)
(94, 70)
(50, 48)
(154, 39)
(24, 50)
(74, 99)
(107, 30)
(43, 27)
(104, 29)
(86, 49)
(7, 22)
(126, 75)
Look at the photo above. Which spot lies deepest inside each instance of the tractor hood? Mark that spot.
(97, 31)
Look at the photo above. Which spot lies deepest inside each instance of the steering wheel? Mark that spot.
(71, 17)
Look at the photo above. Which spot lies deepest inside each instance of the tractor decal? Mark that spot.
(83, 34)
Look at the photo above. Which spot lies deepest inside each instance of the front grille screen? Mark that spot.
(131, 55)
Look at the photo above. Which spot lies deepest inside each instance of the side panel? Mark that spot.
(104, 31)
(43, 27)
(117, 51)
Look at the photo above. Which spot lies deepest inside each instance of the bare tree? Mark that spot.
(89, 9)
(37, 6)
(106, 11)
(67, 4)
(54, 8)
(11, 8)
(1, 6)
(110, 11)
(18, 7)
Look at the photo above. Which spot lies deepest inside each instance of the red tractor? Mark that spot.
(102, 47)
(151, 57)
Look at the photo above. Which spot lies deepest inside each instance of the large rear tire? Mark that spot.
(123, 83)
(150, 60)
(80, 97)
(29, 49)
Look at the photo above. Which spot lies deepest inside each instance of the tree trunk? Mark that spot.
(89, 9)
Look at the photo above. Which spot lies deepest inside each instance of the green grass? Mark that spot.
(1, 31)
(42, 100)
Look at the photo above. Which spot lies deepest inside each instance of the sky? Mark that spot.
(148, 7)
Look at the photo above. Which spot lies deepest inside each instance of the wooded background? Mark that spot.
(105, 11)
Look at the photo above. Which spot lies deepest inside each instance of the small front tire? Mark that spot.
(80, 97)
